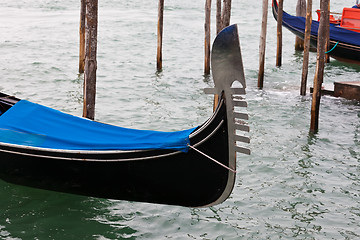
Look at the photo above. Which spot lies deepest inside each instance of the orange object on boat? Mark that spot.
(334, 18)
(351, 19)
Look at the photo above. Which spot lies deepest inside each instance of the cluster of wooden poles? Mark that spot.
(88, 47)
(88, 43)
(322, 46)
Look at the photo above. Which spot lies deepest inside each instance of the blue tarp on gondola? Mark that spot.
(336, 33)
(31, 124)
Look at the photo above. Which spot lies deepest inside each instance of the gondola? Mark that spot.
(44, 148)
(344, 43)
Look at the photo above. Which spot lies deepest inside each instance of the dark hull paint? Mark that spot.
(155, 176)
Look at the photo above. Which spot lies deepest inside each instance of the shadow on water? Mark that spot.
(40, 214)
(342, 65)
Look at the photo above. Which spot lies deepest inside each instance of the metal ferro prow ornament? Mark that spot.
(229, 79)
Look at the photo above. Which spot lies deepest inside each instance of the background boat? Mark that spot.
(344, 44)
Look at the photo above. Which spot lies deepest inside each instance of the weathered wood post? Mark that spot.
(82, 37)
(160, 35)
(305, 69)
(223, 14)
(90, 58)
(279, 34)
(262, 44)
(207, 37)
(327, 44)
(226, 14)
(300, 11)
(319, 73)
(218, 16)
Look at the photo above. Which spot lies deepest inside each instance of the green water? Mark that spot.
(292, 186)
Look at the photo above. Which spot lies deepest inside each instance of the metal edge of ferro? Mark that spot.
(229, 79)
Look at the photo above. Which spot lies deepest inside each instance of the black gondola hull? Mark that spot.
(155, 176)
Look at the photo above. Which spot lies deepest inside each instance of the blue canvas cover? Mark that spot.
(336, 33)
(31, 124)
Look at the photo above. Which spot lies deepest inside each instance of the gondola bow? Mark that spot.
(44, 148)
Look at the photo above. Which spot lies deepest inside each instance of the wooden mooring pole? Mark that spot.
(279, 33)
(319, 73)
(327, 44)
(160, 35)
(82, 37)
(226, 13)
(223, 14)
(305, 69)
(90, 58)
(207, 37)
(218, 16)
(300, 11)
(262, 44)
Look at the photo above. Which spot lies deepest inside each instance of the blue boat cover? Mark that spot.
(336, 33)
(31, 124)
